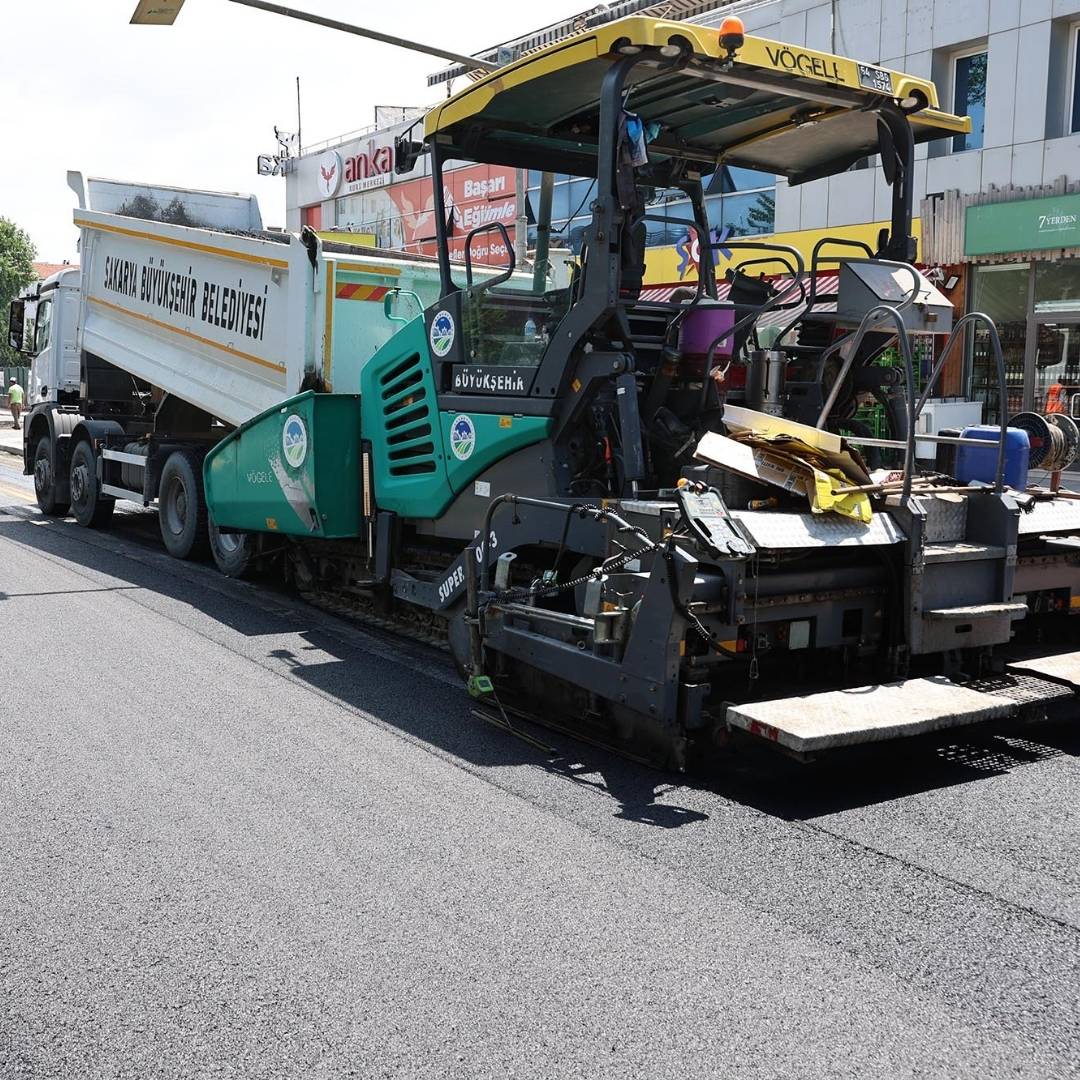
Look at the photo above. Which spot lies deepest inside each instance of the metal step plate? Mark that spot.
(867, 714)
(977, 611)
(1052, 515)
(1065, 667)
(778, 529)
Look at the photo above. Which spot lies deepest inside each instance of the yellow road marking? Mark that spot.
(260, 260)
(188, 334)
(11, 491)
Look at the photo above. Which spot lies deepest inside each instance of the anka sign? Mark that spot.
(371, 166)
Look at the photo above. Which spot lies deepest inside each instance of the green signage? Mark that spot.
(1029, 225)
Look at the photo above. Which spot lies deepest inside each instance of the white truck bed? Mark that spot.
(225, 322)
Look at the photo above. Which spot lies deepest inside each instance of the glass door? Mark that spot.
(1057, 365)
(1003, 293)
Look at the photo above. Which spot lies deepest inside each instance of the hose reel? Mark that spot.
(1054, 439)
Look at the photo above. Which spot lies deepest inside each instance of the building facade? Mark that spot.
(1000, 208)
(352, 189)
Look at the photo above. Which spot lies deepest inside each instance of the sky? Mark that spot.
(194, 104)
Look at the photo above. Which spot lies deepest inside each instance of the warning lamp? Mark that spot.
(732, 34)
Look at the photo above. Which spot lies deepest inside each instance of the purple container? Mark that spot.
(702, 326)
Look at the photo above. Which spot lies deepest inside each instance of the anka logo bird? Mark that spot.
(328, 174)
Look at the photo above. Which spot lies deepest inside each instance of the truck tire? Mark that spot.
(182, 506)
(92, 510)
(233, 552)
(45, 479)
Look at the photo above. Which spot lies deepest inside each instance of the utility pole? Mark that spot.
(521, 230)
(299, 135)
(374, 35)
(164, 12)
(543, 232)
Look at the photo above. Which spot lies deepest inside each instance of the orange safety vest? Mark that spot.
(1055, 399)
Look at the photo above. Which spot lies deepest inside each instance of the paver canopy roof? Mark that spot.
(778, 108)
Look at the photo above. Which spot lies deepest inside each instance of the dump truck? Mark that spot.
(184, 320)
(647, 523)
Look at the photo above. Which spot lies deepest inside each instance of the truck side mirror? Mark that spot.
(17, 325)
(406, 153)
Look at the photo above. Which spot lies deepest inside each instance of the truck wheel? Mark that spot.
(182, 506)
(233, 552)
(45, 479)
(92, 510)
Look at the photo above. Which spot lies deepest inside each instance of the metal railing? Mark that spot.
(777, 300)
(887, 313)
(337, 140)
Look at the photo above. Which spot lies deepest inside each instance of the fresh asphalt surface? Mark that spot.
(239, 837)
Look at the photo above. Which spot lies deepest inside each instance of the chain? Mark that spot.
(615, 562)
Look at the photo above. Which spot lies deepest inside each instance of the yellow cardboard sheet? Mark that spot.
(787, 471)
(781, 434)
(753, 462)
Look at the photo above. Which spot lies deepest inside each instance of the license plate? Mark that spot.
(877, 79)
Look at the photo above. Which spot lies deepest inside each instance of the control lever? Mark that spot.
(711, 523)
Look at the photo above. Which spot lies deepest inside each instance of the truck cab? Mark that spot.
(44, 327)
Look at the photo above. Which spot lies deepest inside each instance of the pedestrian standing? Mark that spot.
(15, 401)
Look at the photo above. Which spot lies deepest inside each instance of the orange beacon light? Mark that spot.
(732, 34)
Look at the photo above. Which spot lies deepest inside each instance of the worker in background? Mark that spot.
(15, 401)
(1055, 399)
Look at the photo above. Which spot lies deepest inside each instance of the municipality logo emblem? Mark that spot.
(442, 333)
(462, 437)
(294, 441)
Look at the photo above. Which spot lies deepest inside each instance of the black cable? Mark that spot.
(574, 214)
(711, 638)
(562, 547)
(615, 562)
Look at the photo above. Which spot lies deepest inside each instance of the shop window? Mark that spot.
(742, 200)
(749, 214)
(969, 97)
(1057, 287)
(1074, 82)
(1002, 293)
(729, 179)
(1057, 367)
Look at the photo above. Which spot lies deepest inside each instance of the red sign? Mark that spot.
(475, 196)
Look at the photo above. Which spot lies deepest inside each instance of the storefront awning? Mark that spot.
(827, 284)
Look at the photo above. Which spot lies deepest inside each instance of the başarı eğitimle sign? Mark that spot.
(1027, 225)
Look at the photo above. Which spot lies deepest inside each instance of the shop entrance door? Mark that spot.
(1056, 381)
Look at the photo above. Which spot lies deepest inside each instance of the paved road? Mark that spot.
(240, 838)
